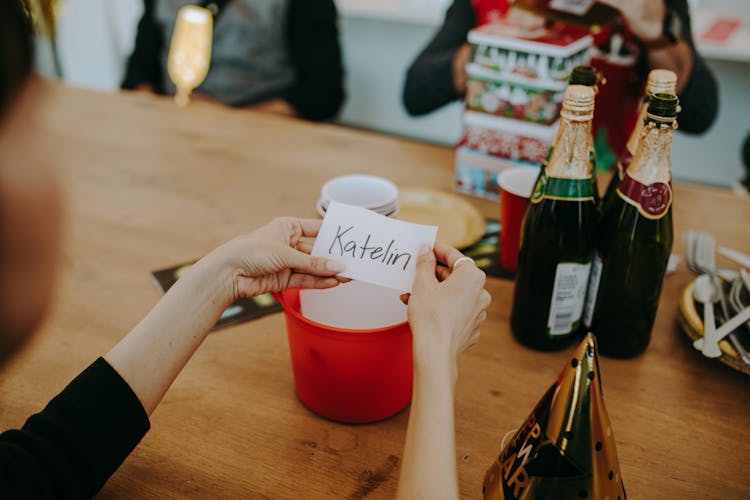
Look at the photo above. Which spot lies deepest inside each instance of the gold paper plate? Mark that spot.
(691, 323)
(460, 223)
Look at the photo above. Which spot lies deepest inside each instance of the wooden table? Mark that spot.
(151, 185)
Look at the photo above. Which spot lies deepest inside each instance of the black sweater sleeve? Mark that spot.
(429, 80)
(700, 97)
(73, 446)
(313, 38)
(144, 66)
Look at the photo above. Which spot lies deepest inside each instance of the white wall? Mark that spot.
(94, 38)
(714, 158)
(376, 56)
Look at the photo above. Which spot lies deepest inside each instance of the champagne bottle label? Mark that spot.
(596, 274)
(558, 188)
(651, 200)
(540, 187)
(568, 296)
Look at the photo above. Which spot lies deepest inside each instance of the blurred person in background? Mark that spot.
(72, 447)
(275, 55)
(744, 183)
(654, 34)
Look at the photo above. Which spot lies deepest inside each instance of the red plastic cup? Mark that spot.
(516, 185)
(352, 376)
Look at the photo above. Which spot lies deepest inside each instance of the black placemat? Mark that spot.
(486, 251)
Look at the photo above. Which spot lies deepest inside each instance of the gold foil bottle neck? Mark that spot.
(571, 156)
(578, 103)
(661, 81)
(651, 160)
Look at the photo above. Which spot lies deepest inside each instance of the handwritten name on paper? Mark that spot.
(391, 256)
(374, 248)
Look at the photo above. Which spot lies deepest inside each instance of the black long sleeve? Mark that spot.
(429, 80)
(73, 446)
(144, 66)
(312, 33)
(700, 97)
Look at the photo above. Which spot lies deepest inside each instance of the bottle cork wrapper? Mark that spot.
(650, 163)
(566, 448)
(572, 155)
(578, 103)
(661, 81)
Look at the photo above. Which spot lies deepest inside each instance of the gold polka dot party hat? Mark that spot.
(565, 449)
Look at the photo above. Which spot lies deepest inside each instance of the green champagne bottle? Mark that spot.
(557, 243)
(586, 75)
(659, 81)
(634, 241)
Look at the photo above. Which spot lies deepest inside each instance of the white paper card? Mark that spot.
(375, 248)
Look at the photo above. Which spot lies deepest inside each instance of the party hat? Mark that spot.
(565, 448)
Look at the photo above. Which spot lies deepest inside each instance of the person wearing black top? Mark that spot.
(276, 55)
(71, 447)
(438, 75)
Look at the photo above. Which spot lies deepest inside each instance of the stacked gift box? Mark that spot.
(516, 81)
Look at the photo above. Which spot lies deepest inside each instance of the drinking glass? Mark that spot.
(190, 51)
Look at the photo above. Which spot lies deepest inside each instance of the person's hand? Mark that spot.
(446, 306)
(645, 18)
(458, 68)
(276, 257)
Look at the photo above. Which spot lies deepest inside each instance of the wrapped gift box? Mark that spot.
(520, 73)
(476, 172)
(507, 138)
(513, 97)
(536, 54)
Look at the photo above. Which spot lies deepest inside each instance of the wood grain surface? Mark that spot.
(150, 185)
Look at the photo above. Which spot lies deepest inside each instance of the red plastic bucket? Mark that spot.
(352, 376)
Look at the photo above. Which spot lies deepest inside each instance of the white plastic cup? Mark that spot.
(367, 191)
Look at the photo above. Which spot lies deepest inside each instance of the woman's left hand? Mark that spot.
(275, 257)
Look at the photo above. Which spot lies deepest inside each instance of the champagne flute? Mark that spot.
(190, 51)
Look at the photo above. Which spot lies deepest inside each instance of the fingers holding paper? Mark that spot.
(447, 305)
(446, 260)
(275, 257)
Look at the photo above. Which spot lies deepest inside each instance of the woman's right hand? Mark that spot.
(446, 306)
